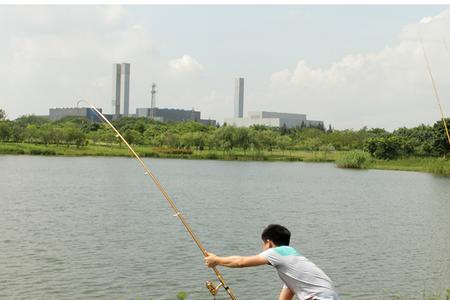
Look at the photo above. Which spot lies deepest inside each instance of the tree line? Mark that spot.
(422, 140)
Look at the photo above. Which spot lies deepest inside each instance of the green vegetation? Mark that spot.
(355, 159)
(439, 166)
(422, 148)
(166, 152)
(180, 296)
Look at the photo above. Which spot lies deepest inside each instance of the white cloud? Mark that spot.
(52, 56)
(185, 65)
(388, 88)
(114, 12)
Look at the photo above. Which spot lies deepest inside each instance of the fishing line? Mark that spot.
(213, 290)
(436, 94)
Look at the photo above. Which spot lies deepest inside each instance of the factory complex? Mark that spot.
(121, 108)
(265, 118)
(274, 119)
(121, 104)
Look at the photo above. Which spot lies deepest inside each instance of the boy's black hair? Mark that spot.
(278, 234)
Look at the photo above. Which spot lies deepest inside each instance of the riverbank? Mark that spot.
(160, 152)
(418, 164)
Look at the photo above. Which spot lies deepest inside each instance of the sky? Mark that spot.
(350, 66)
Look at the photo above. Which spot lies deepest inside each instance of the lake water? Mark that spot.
(97, 228)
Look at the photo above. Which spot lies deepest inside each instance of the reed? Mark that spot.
(354, 160)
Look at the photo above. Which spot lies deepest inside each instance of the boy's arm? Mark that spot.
(286, 294)
(212, 260)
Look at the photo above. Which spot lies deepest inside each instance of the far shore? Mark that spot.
(418, 164)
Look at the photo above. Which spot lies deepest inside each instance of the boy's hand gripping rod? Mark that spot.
(213, 290)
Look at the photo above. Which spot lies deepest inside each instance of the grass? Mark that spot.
(161, 152)
(354, 160)
(438, 166)
(351, 159)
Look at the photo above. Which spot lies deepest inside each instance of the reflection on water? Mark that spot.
(97, 228)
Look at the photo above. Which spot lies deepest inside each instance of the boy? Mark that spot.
(301, 277)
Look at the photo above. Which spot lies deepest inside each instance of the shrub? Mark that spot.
(440, 167)
(212, 156)
(173, 150)
(11, 150)
(384, 147)
(354, 159)
(149, 154)
(42, 152)
(182, 296)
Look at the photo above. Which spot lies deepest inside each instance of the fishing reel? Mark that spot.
(213, 290)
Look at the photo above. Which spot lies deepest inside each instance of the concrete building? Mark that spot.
(266, 118)
(208, 122)
(168, 114)
(273, 119)
(239, 98)
(116, 90)
(86, 112)
(288, 119)
(172, 115)
(121, 90)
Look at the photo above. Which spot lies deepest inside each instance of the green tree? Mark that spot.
(268, 139)
(313, 144)
(5, 130)
(32, 133)
(171, 140)
(108, 136)
(24, 121)
(440, 141)
(17, 133)
(284, 142)
(256, 140)
(132, 136)
(386, 147)
(47, 133)
(140, 125)
(226, 137)
(187, 140)
(74, 135)
(242, 138)
(2, 114)
(199, 140)
(283, 129)
(153, 131)
(58, 135)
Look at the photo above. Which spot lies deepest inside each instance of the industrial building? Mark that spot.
(172, 115)
(168, 114)
(239, 98)
(121, 104)
(266, 118)
(121, 90)
(273, 119)
(56, 114)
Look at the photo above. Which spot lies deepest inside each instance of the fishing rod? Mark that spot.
(433, 83)
(210, 286)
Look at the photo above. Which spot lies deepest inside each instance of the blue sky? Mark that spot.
(277, 35)
(320, 60)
